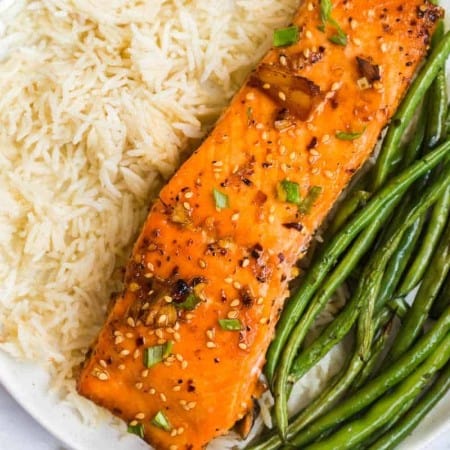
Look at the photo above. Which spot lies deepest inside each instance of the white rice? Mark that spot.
(99, 101)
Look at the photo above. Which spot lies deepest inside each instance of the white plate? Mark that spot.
(28, 384)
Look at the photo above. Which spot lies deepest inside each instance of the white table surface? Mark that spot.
(19, 431)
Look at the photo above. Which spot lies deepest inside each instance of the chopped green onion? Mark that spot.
(156, 354)
(339, 39)
(289, 191)
(161, 421)
(190, 303)
(285, 36)
(137, 429)
(230, 324)
(220, 199)
(350, 136)
(308, 202)
(325, 10)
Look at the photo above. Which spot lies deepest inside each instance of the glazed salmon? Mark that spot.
(182, 350)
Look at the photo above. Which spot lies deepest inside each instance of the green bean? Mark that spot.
(399, 306)
(338, 244)
(437, 108)
(400, 259)
(432, 281)
(414, 416)
(389, 405)
(366, 395)
(438, 219)
(353, 202)
(442, 300)
(406, 111)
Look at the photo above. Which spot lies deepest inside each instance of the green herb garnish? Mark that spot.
(161, 421)
(349, 136)
(340, 38)
(230, 324)
(137, 429)
(220, 199)
(289, 191)
(285, 36)
(190, 303)
(156, 354)
(308, 202)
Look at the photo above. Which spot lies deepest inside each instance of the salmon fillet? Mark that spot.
(183, 346)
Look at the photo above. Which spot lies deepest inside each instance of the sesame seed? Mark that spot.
(189, 316)
(245, 262)
(243, 405)
(283, 60)
(325, 138)
(188, 194)
(179, 357)
(306, 53)
(242, 346)
(159, 333)
(121, 366)
(184, 364)
(353, 24)
(129, 335)
(335, 86)
(138, 386)
(134, 287)
(176, 336)
(150, 266)
(211, 344)
(163, 397)
(180, 430)
(162, 318)
(315, 171)
(210, 334)
(328, 173)
(173, 447)
(308, 34)
(117, 333)
(133, 423)
(125, 352)
(235, 303)
(265, 135)
(176, 326)
(312, 159)
(250, 96)
(263, 321)
(102, 362)
(258, 126)
(176, 388)
(144, 373)
(191, 405)
(310, 6)
(173, 433)
(152, 391)
(357, 41)
(292, 156)
(314, 152)
(260, 301)
(202, 263)
(282, 96)
(103, 376)
(186, 205)
(136, 353)
(118, 340)
(233, 314)
(237, 285)
(140, 416)
(217, 163)
(161, 341)
(235, 217)
(168, 299)
(266, 86)
(131, 322)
